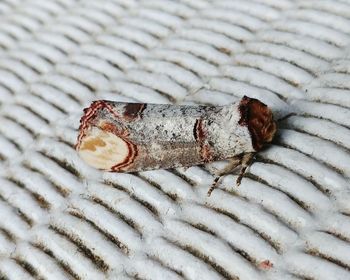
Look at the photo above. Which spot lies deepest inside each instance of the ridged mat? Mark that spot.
(60, 219)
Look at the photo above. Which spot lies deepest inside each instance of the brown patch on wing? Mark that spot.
(200, 135)
(93, 144)
(259, 120)
(110, 127)
(133, 111)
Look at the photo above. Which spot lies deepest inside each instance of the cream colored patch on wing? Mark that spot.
(102, 150)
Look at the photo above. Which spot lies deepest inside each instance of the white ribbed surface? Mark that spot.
(60, 219)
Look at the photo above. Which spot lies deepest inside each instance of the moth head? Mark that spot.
(258, 118)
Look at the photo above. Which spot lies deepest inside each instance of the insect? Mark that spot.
(130, 137)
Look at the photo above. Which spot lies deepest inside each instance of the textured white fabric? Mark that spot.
(60, 219)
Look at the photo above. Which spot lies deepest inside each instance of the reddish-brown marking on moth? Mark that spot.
(199, 131)
(132, 154)
(122, 134)
(133, 111)
(200, 135)
(89, 114)
(259, 120)
(110, 127)
(206, 153)
(266, 264)
(195, 134)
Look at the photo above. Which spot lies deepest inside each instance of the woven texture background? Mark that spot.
(60, 219)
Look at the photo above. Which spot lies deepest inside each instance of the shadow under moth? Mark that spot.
(130, 137)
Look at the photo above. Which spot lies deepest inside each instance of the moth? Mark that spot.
(131, 137)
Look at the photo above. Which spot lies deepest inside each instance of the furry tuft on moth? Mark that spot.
(131, 137)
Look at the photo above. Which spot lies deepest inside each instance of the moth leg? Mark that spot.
(234, 162)
(246, 161)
